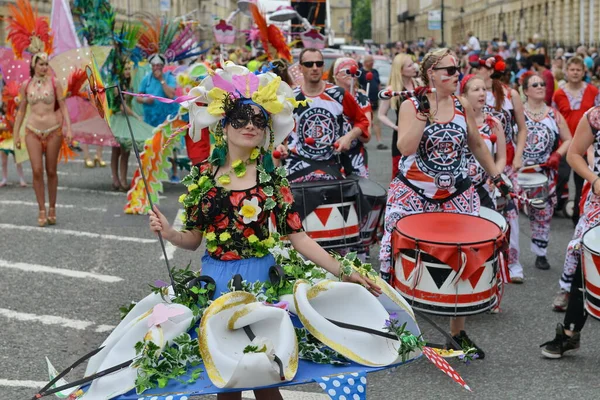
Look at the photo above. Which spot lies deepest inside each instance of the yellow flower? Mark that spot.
(202, 180)
(255, 153)
(182, 198)
(210, 236)
(224, 180)
(266, 96)
(225, 236)
(183, 218)
(269, 242)
(252, 239)
(236, 163)
(192, 187)
(250, 210)
(211, 247)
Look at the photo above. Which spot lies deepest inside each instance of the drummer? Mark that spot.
(473, 88)
(545, 127)
(320, 116)
(432, 137)
(568, 333)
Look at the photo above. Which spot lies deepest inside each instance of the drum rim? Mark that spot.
(594, 252)
(497, 238)
(531, 174)
(500, 214)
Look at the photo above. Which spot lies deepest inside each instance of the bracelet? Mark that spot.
(593, 183)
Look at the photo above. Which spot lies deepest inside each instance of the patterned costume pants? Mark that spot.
(539, 220)
(512, 217)
(403, 201)
(589, 219)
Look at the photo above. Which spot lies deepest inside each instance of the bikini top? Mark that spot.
(41, 90)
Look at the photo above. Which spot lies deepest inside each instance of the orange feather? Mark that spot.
(24, 25)
(77, 79)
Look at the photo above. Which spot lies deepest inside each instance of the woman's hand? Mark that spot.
(159, 223)
(355, 277)
(18, 142)
(69, 135)
(517, 163)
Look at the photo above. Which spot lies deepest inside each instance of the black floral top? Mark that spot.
(235, 223)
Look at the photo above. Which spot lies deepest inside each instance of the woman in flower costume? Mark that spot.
(237, 200)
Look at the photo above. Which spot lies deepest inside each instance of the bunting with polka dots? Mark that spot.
(352, 386)
(443, 365)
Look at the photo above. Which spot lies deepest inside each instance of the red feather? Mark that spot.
(263, 29)
(77, 79)
(278, 41)
(24, 25)
(10, 94)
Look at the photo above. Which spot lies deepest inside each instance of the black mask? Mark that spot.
(239, 115)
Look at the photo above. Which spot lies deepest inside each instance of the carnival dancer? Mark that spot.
(320, 116)
(433, 135)
(505, 104)
(572, 101)
(120, 128)
(473, 88)
(357, 155)
(45, 100)
(546, 127)
(402, 77)
(568, 334)
(235, 200)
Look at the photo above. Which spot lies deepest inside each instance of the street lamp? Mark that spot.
(287, 13)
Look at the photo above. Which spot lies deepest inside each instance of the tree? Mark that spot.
(361, 19)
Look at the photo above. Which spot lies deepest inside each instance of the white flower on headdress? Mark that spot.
(250, 210)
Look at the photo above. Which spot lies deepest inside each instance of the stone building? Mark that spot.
(560, 22)
(341, 20)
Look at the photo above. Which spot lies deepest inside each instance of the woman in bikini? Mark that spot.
(43, 131)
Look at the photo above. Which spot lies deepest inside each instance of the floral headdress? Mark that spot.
(167, 41)
(233, 86)
(29, 32)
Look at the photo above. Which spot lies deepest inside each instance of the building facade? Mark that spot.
(557, 22)
(341, 20)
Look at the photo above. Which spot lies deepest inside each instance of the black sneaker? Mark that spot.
(541, 262)
(466, 343)
(561, 343)
(381, 146)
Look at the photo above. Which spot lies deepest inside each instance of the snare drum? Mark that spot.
(447, 263)
(330, 211)
(375, 197)
(535, 185)
(591, 270)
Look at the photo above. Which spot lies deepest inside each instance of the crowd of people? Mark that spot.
(466, 123)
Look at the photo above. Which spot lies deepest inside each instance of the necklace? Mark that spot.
(536, 114)
(238, 167)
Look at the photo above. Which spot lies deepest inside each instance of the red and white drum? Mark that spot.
(375, 196)
(495, 217)
(330, 211)
(447, 263)
(591, 270)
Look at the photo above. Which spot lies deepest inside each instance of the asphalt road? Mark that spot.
(44, 312)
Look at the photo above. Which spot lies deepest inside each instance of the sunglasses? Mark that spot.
(309, 64)
(452, 70)
(258, 120)
(536, 84)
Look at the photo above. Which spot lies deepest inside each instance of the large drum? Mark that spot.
(447, 263)
(330, 211)
(591, 270)
(535, 185)
(495, 217)
(375, 196)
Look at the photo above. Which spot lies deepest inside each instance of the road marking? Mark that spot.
(54, 320)
(31, 203)
(26, 384)
(59, 271)
(77, 233)
(169, 247)
(94, 191)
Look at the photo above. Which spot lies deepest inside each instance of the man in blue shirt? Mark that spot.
(159, 84)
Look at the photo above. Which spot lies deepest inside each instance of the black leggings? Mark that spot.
(576, 315)
(564, 172)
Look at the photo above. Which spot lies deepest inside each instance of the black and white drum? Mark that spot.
(330, 211)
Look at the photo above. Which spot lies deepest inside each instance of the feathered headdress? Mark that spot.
(271, 37)
(29, 32)
(96, 21)
(165, 41)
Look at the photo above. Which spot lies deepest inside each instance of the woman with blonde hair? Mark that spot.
(402, 77)
(434, 124)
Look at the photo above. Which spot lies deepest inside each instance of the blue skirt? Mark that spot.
(251, 269)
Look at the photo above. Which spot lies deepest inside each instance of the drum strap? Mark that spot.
(460, 188)
(330, 167)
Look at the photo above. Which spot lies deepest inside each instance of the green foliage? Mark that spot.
(124, 310)
(361, 19)
(407, 342)
(311, 349)
(156, 368)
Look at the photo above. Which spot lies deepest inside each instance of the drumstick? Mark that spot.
(538, 204)
(369, 78)
(311, 142)
(532, 167)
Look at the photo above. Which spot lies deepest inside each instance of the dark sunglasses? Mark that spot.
(452, 70)
(258, 120)
(309, 64)
(540, 84)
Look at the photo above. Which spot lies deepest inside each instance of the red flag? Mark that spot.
(444, 366)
